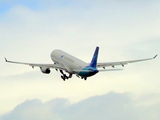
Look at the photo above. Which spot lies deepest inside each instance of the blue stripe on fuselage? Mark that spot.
(92, 71)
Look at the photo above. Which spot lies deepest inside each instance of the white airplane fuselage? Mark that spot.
(72, 63)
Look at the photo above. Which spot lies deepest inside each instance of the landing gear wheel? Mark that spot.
(70, 76)
(63, 78)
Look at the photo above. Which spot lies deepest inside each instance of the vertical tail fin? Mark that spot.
(94, 58)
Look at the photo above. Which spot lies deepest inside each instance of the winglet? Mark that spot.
(5, 59)
(155, 56)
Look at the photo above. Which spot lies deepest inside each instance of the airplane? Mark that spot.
(67, 63)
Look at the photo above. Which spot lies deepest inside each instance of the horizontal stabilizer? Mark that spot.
(109, 70)
(82, 70)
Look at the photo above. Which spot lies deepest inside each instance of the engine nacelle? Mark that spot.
(45, 70)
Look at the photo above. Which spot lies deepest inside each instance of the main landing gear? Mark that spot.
(85, 78)
(64, 76)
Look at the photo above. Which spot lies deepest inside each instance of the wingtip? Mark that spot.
(155, 56)
(5, 59)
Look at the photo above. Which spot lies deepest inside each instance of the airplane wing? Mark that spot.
(56, 66)
(112, 64)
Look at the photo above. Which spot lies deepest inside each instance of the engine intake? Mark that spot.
(45, 70)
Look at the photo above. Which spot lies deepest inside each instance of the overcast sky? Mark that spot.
(124, 30)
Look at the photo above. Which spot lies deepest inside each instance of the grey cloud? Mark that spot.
(36, 110)
(111, 106)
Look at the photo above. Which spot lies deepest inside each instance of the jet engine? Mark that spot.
(45, 70)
